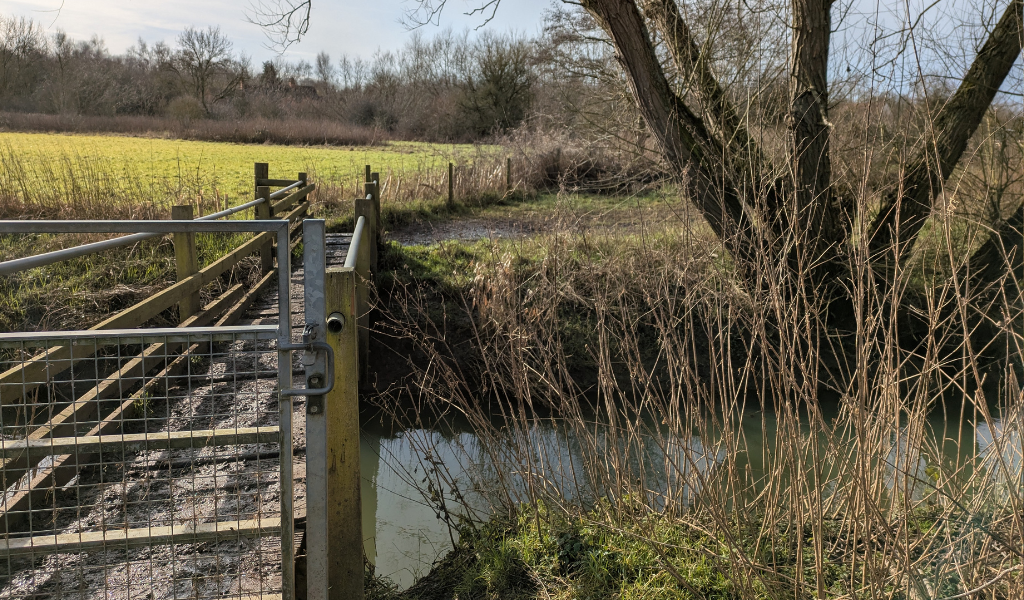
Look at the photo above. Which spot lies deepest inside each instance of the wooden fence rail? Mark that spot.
(80, 418)
(31, 467)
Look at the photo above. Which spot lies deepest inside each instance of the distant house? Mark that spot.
(301, 91)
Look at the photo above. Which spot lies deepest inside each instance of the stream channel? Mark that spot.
(403, 468)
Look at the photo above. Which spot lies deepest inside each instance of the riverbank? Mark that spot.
(622, 368)
(639, 554)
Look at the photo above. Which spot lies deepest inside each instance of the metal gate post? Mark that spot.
(314, 261)
(284, 381)
(344, 506)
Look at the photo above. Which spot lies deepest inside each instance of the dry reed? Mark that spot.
(898, 474)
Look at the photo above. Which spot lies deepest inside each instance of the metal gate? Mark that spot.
(150, 463)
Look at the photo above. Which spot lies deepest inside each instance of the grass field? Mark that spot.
(176, 170)
(54, 176)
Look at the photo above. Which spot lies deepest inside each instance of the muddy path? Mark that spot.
(529, 219)
(233, 385)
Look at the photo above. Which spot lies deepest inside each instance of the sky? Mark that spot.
(355, 28)
(360, 28)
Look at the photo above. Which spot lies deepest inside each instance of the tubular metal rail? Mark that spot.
(40, 260)
(156, 462)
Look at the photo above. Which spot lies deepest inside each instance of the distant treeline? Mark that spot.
(451, 87)
(563, 83)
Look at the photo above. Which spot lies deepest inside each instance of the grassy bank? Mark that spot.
(639, 554)
(686, 415)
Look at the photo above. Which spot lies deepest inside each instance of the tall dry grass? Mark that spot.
(899, 474)
(73, 187)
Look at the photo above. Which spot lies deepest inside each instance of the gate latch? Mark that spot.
(316, 384)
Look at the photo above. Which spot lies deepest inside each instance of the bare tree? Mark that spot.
(205, 65)
(21, 42)
(793, 216)
(498, 91)
(325, 71)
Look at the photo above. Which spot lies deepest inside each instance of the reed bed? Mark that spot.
(711, 445)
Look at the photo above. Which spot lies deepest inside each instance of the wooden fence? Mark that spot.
(27, 383)
(82, 429)
(333, 564)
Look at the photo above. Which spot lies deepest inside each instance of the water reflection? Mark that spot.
(1001, 449)
(417, 482)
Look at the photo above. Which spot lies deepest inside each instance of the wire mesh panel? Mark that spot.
(139, 465)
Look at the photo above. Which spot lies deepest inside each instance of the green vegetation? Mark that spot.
(640, 554)
(208, 174)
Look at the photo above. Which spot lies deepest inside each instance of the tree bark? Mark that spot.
(904, 211)
(820, 227)
(685, 141)
(1001, 254)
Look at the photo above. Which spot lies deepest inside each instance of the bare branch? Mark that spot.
(428, 12)
(690, 60)
(284, 22)
(905, 210)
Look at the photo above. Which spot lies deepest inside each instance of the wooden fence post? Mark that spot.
(260, 171)
(451, 185)
(375, 179)
(508, 175)
(365, 207)
(186, 259)
(264, 211)
(366, 268)
(377, 224)
(344, 506)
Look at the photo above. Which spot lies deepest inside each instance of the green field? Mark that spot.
(178, 170)
(59, 176)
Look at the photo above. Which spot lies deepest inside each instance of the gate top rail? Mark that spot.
(156, 335)
(41, 260)
(141, 230)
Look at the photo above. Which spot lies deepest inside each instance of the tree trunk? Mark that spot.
(687, 146)
(1002, 254)
(905, 210)
(819, 225)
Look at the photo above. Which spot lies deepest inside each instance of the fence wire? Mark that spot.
(141, 470)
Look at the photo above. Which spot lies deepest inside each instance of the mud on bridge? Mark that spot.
(169, 462)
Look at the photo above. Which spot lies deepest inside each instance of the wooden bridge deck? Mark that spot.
(244, 375)
(265, 312)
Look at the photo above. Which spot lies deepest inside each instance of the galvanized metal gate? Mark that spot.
(152, 463)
